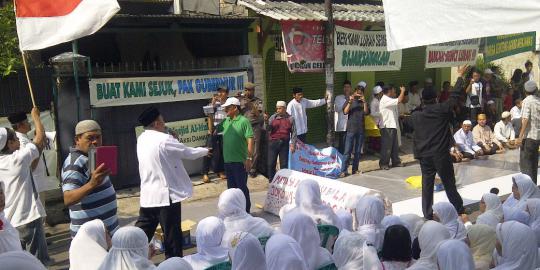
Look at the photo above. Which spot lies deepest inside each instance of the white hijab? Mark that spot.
(232, 209)
(302, 228)
(527, 189)
(388, 221)
(482, 239)
(414, 223)
(533, 206)
(9, 236)
(129, 251)
(449, 218)
(346, 219)
(308, 201)
(429, 238)
(89, 247)
(209, 235)
(19, 260)
(454, 255)
(351, 252)
(246, 252)
(516, 214)
(174, 263)
(519, 249)
(494, 210)
(369, 214)
(283, 252)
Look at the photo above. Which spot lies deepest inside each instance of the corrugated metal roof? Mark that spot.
(186, 16)
(289, 10)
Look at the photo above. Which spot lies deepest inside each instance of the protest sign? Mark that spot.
(363, 51)
(451, 54)
(324, 162)
(192, 132)
(108, 92)
(334, 193)
(502, 46)
(304, 45)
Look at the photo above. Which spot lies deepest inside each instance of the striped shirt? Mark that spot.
(100, 203)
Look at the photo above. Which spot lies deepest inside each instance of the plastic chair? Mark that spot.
(220, 266)
(328, 234)
(328, 267)
(263, 241)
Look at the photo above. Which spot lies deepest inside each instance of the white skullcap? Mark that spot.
(3, 137)
(505, 115)
(467, 122)
(362, 84)
(428, 80)
(377, 89)
(86, 126)
(530, 86)
(281, 104)
(491, 102)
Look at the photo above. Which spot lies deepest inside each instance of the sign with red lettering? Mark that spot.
(304, 45)
(451, 54)
(334, 193)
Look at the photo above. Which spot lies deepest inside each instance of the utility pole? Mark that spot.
(329, 70)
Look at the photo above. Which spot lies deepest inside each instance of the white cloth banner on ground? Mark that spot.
(413, 23)
(45, 23)
(363, 51)
(334, 193)
(452, 54)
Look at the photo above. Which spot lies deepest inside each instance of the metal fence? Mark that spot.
(14, 95)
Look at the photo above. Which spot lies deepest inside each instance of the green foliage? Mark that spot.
(10, 56)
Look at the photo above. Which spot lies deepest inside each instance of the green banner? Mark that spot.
(192, 132)
(502, 46)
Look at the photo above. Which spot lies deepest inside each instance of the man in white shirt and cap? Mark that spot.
(389, 132)
(465, 142)
(164, 180)
(374, 105)
(504, 131)
(529, 136)
(23, 207)
(515, 113)
(340, 119)
(297, 109)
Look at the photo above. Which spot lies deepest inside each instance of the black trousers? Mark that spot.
(256, 148)
(473, 112)
(441, 164)
(169, 218)
(339, 141)
(528, 158)
(492, 150)
(216, 160)
(277, 148)
(237, 178)
(389, 147)
(302, 137)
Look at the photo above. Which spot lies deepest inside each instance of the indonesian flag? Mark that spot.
(45, 23)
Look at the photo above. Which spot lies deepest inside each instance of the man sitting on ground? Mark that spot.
(504, 131)
(484, 137)
(465, 143)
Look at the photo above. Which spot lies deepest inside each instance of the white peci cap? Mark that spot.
(281, 104)
(376, 90)
(362, 84)
(530, 86)
(467, 122)
(505, 115)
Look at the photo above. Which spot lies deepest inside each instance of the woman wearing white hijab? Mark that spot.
(346, 219)
(515, 214)
(429, 238)
(523, 188)
(89, 247)
(516, 247)
(388, 221)
(232, 209)
(454, 255)
(20, 260)
(302, 228)
(174, 263)
(246, 252)
(308, 201)
(209, 235)
(445, 213)
(129, 251)
(533, 207)
(492, 210)
(369, 214)
(481, 239)
(283, 252)
(414, 223)
(351, 252)
(9, 236)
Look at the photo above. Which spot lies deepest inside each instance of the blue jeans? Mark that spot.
(237, 178)
(353, 143)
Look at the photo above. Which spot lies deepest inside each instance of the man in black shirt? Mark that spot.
(355, 108)
(432, 141)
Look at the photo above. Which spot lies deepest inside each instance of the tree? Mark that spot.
(10, 56)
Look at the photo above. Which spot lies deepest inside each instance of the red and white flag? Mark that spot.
(45, 23)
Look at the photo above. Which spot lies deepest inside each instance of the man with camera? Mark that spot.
(474, 96)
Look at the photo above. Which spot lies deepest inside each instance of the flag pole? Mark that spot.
(28, 79)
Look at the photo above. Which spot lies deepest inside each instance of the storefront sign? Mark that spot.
(334, 193)
(451, 54)
(192, 132)
(502, 46)
(145, 90)
(304, 45)
(324, 162)
(363, 51)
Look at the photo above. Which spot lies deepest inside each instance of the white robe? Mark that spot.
(174, 263)
(533, 206)
(482, 239)
(89, 247)
(519, 249)
(9, 236)
(209, 235)
(369, 214)
(283, 252)
(430, 236)
(129, 251)
(449, 217)
(361, 257)
(454, 255)
(19, 260)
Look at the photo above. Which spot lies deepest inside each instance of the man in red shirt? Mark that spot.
(282, 129)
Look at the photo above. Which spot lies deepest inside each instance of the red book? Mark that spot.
(107, 155)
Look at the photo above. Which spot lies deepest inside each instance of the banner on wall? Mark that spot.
(304, 45)
(109, 92)
(192, 132)
(502, 46)
(324, 162)
(363, 51)
(334, 193)
(451, 54)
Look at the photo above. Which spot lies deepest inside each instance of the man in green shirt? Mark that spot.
(237, 147)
